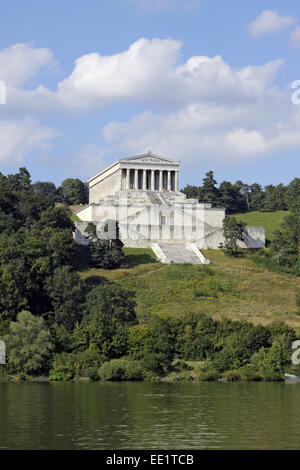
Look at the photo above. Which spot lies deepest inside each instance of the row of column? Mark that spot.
(154, 180)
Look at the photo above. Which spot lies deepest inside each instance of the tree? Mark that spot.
(158, 350)
(244, 190)
(113, 301)
(74, 191)
(57, 218)
(28, 344)
(66, 294)
(48, 190)
(209, 192)
(256, 197)
(106, 247)
(230, 198)
(109, 313)
(191, 192)
(272, 361)
(293, 195)
(232, 231)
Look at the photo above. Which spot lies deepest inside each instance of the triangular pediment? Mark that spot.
(149, 158)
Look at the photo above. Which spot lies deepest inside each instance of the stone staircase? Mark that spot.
(178, 253)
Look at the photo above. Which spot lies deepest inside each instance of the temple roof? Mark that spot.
(148, 157)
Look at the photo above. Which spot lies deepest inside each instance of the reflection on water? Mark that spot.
(150, 416)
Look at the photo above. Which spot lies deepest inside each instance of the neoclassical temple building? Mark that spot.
(142, 194)
(144, 172)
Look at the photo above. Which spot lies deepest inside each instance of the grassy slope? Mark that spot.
(244, 289)
(270, 220)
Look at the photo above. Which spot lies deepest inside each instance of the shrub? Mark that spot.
(69, 366)
(120, 369)
(271, 361)
(29, 345)
(232, 376)
(63, 367)
(210, 375)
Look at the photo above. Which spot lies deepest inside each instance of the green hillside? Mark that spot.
(229, 287)
(270, 220)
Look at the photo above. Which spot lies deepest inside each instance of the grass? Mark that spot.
(235, 288)
(270, 220)
(138, 261)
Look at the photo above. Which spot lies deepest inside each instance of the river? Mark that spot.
(139, 415)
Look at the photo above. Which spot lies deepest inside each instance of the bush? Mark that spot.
(210, 375)
(29, 345)
(271, 361)
(63, 367)
(232, 376)
(120, 369)
(69, 366)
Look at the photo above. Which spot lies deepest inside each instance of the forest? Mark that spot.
(58, 325)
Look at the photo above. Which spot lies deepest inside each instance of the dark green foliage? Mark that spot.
(293, 195)
(240, 197)
(120, 369)
(209, 191)
(231, 198)
(57, 218)
(29, 344)
(47, 189)
(284, 249)
(109, 312)
(74, 191)
(105, 250)
(195, 335)
(158, 347)
(66, 295)
(232, 231)
(70, 366)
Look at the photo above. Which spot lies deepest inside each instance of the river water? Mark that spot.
(138, 415)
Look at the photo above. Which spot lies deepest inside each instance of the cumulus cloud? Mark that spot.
(269, 22)
(20, 62)
(200, 132)
(197, 110)
(147, 73)
(19, 137)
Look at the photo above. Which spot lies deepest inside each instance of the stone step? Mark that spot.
(179, 253)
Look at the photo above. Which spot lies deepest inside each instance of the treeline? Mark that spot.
(39, 285)
(54, 323)
(72, 191)
(109, 344)
(240, 197)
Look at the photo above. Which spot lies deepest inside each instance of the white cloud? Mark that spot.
(269, 22)
(295, 37)
(19, 137)
(148, 73)
(197, 110)
(20, 62)
(201, 132)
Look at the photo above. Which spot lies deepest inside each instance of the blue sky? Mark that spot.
(204, 82)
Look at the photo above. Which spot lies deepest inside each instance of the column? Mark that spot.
(144, 180)
(136, 179)
(127, 179)
(160, 180)
(169, 181)
(176, 181)
(152, 181)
